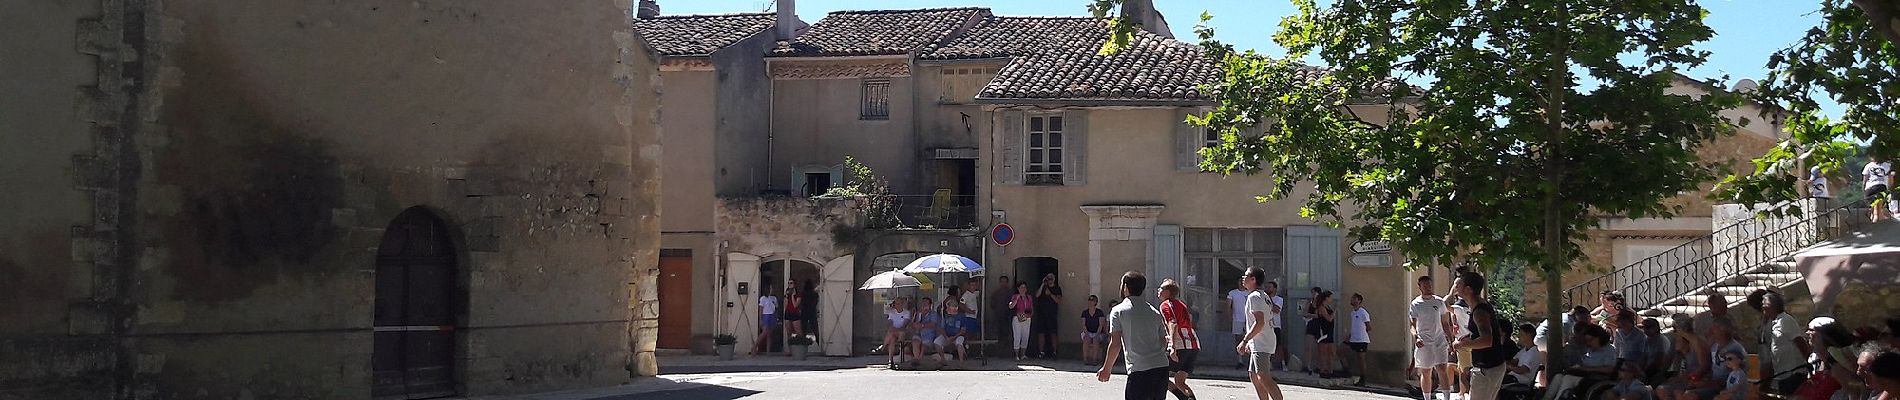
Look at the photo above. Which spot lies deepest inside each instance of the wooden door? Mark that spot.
(676, 302)
(414, 326)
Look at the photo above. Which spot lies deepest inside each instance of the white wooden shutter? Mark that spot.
(1187, 142)
(1009, 150)
(1167, 253)
(1075, 148)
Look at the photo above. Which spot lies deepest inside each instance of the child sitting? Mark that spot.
(1629, 383)
(1735, 387)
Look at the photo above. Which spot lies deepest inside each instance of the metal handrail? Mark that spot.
(1684, 268)
(934, 211)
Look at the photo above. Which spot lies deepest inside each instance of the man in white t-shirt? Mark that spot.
(1273, 321)
(1259, 343)
(1878, 177)
(1360, 336)
(1237, 301)
(1429, 320)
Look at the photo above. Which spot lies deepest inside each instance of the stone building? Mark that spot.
(937, 101)
(220, 200)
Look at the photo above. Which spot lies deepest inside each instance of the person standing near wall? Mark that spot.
(1273, 319)
(1134, 331)
(1000, 312)
(1359, 333)
(768, 321)
(1184, 347)
(1019, 305)
(1048, 305)
(1259, 344)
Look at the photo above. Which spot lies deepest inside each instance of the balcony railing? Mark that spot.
(1727, 252)
(941, 211)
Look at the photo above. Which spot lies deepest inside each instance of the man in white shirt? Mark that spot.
(1877, 178)
(1360, 336)
(1259, 344)
(1784, 344)
(1273, 320)
(1237, 301)
(1430, 321)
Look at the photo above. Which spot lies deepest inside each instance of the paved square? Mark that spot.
(879, 383)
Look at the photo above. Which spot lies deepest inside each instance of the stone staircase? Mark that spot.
(1773, 275)
(1735, 260)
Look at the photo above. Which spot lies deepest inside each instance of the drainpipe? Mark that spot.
(771, 114)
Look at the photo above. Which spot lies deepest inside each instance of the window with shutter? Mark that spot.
(1044, 150)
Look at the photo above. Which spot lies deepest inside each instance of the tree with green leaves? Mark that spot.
(1852, 58)
(1530, 120)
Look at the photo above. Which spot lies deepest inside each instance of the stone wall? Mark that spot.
(229, 168)
(811, 229)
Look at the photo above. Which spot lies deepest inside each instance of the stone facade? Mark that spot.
(203, 219)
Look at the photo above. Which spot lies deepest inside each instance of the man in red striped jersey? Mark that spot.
(1183, 345)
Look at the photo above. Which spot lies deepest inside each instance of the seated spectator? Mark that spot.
(928, 325)
(1692, 350)
(1829, 360)
(1709, 386)
(1598, 357)
(956, 330)
(899, 316)
(1629, 383)
(1880, 369)
(1662, 353)
(1528, 362)
(1735, 385)
(1632, 344)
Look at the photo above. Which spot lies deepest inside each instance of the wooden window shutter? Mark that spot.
(1009, 151)
(1187, 142)
(1075, 147)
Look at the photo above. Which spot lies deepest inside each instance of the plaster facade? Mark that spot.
(213, 190)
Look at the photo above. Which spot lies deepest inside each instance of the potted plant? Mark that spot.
(722, 345)
(799, 345)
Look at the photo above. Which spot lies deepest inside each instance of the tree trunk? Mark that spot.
(1555, 261)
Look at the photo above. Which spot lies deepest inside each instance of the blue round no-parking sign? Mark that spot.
(1002, 234)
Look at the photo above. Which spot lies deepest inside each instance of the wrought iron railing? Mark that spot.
(1727, 252)
(940, 211)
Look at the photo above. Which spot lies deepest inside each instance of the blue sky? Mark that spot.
(1747, 31)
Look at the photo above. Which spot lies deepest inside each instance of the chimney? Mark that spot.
(788, 24)
(1143, 12)
(648, 9)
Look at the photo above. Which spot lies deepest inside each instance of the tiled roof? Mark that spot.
(699, 35)
(850, 33)
(1000, 36)
(1057, 59)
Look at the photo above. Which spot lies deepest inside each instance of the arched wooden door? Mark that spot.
(415, 302)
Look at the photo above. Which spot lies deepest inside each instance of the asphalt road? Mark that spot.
(878, 383)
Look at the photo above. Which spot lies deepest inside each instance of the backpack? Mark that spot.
(1502, 348)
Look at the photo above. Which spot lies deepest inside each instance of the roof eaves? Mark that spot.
(1084, 102)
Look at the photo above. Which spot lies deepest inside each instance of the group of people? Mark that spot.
(1160, 345)
(796, 314)
(939, 331)
(1459, 339)
(1877, 182)
(1613, 348)
(1321, 320)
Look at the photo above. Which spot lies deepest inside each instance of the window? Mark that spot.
(1209, 137)
(817, 183)
(1045, 151)
(877, 100)
(1228, 252)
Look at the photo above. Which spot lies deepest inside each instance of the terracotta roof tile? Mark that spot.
(699, 35)
(1057, 59)
(849, 33)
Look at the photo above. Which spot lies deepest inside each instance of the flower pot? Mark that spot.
(724, 351)
(798, 352)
